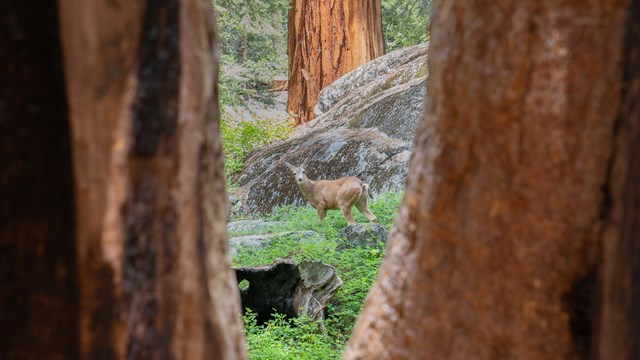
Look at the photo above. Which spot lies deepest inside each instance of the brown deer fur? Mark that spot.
(341, 194)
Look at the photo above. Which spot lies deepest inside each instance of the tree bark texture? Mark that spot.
(327, 39)
(155, 279)
(618, 323)
(37, 285)
(113, 210)
(497, 251)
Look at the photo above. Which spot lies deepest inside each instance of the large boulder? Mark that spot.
(396, 68)
(387, 93)
(373, 157)
(255, 242)
(364, 127)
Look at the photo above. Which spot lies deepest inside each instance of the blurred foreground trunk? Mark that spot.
(518, 236)
(38, 294)
(113, 208)
(327, 39)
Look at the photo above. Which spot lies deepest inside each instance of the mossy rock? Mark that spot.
(361, 236)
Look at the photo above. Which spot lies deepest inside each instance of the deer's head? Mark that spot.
(298, 171)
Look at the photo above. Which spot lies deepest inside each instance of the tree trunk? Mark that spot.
(618, 319)
(245, 46)
(518, 233)
(327, 39)
(144, 272)
(38, 296)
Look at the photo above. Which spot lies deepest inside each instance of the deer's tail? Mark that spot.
(367, 192)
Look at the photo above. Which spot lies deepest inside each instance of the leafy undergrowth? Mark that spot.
(241, 138)
(302, 338)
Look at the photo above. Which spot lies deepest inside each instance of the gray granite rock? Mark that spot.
(365, 127)
(240, 243)
(361, 235)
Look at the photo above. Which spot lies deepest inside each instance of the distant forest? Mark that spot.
(253, 41)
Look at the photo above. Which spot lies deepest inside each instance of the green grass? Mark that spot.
(288, 339)
(302, 338)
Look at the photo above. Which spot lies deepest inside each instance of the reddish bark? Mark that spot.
(136, 161)
(155, 275)
(497, 243)
(327, 39)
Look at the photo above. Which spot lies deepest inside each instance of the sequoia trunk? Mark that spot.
(617, 325)
(327, 39)
(38, 296)
(136, 161)
(518, 233)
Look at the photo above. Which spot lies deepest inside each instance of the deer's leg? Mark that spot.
(364, 209)
(321, 214)
(347, 197)
(363, 206)
(346, 211)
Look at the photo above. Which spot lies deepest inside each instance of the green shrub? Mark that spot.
(239, 83)
(281, 339)
(239, 139)
(405, 22)
(252, 41)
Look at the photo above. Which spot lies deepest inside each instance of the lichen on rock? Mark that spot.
(365, 127)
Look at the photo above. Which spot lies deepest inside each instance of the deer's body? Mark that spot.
(341, 194)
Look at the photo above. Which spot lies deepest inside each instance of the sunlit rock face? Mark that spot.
(386, 94)
(364, 127)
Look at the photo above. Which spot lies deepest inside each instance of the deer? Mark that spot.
(341, 194)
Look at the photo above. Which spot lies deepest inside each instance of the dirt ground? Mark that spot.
(253, 111)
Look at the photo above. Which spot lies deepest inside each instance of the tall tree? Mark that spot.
(261, 23)
(38, 292)
(518, 233)
(113, 209)
(327, 39)
(253, 44)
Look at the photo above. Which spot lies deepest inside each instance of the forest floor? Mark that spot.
(250, 126)
(303, 339)
(253, 110)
